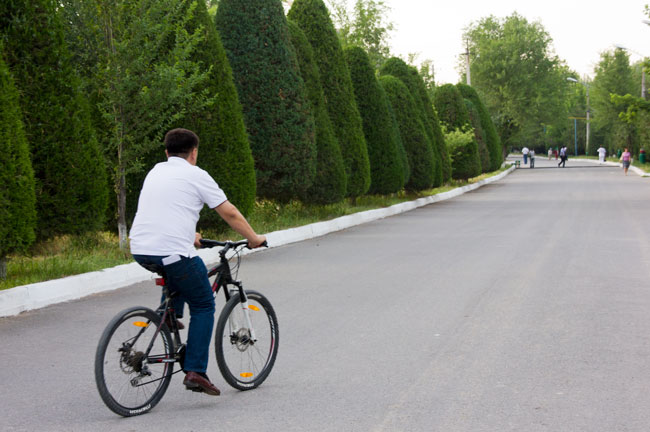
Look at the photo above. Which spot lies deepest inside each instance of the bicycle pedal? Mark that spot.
(195, 389)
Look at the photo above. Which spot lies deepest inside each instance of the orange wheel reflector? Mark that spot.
(246, 374)
(140, 324)
(252, 307)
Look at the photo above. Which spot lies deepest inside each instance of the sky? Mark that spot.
(580, 29)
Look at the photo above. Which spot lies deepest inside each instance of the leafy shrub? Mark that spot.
(463, 152)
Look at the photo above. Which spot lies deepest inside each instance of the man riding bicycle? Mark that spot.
(164, 234)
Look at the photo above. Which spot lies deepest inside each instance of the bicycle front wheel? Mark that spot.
(246, 353)
(133, 362)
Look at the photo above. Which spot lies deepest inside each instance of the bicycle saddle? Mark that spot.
(155, 268)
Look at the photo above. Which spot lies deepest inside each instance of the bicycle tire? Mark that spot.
(132, 395)
(244, 365)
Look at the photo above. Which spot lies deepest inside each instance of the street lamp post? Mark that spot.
(588, 112)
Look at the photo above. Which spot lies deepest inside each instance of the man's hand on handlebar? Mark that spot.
(197, 240)
(256, 242)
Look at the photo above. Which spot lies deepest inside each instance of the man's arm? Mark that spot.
(238, 222)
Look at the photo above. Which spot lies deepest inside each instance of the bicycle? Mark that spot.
(137, 351)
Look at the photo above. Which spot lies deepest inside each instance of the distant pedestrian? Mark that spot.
(626, 158)
(531, 155)
(601, 154)
(562, 157)
(555, 152)
(525, 152)
(550, 153)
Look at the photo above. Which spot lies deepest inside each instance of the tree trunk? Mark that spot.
(3, 268)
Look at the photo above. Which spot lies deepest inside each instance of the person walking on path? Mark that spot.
(562, 157)
(525, 152)
(626, 158)
(601, 154)
(164, 234)
(550, 153)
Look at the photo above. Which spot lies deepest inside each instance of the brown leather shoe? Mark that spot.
(199, 383)
(168, 321)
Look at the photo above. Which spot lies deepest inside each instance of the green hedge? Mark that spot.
(492, 137)
(313, 19)
(479, 135)
(451, 107)
(414, 138)
(273, 95)
(463, 152)
(71, 180)
(386, 170)
(17, 196)
(410, 77)
(330, 182)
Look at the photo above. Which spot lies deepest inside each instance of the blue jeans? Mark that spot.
(189, 277)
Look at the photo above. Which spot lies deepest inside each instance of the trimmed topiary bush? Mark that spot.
(313, 19)
(17, 196)
(273, 96)
(386, 170)
(410, 77)
(479, 135)
(491, 135)
(71, 183)
(330, 182)
(451, 108)
(225, 151)
(414, 138)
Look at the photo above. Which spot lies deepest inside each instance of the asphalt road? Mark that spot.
(522, 306)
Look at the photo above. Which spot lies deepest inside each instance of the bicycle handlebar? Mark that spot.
(227, 245)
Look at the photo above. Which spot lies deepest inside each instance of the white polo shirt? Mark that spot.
(172, 196)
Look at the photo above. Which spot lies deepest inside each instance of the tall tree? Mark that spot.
(313, 18)
(17, 195)
(273, 95)
(386, 170)
(71, 186)
(412, 131)
(329, 184)
(614, 76)
(479, 135)
(517, 75)
(367, 26)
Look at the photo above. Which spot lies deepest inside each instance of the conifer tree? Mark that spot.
(17, 195)
(414, 138)
(314, 20)
(455, 117)
(491, 135)
(386, 171)
(71, 184)
(329, 184)
(272, 93)
(479, 135)
(410, 77)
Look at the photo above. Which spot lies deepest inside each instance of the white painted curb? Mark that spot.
(632, 168)
(27, 297)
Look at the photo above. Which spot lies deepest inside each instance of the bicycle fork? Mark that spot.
(246, 309)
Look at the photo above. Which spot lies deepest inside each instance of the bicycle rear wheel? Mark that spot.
(129, 381)
(245, 363)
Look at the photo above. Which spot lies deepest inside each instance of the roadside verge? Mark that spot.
(34, 296)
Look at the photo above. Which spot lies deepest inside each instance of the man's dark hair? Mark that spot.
(180, 142)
